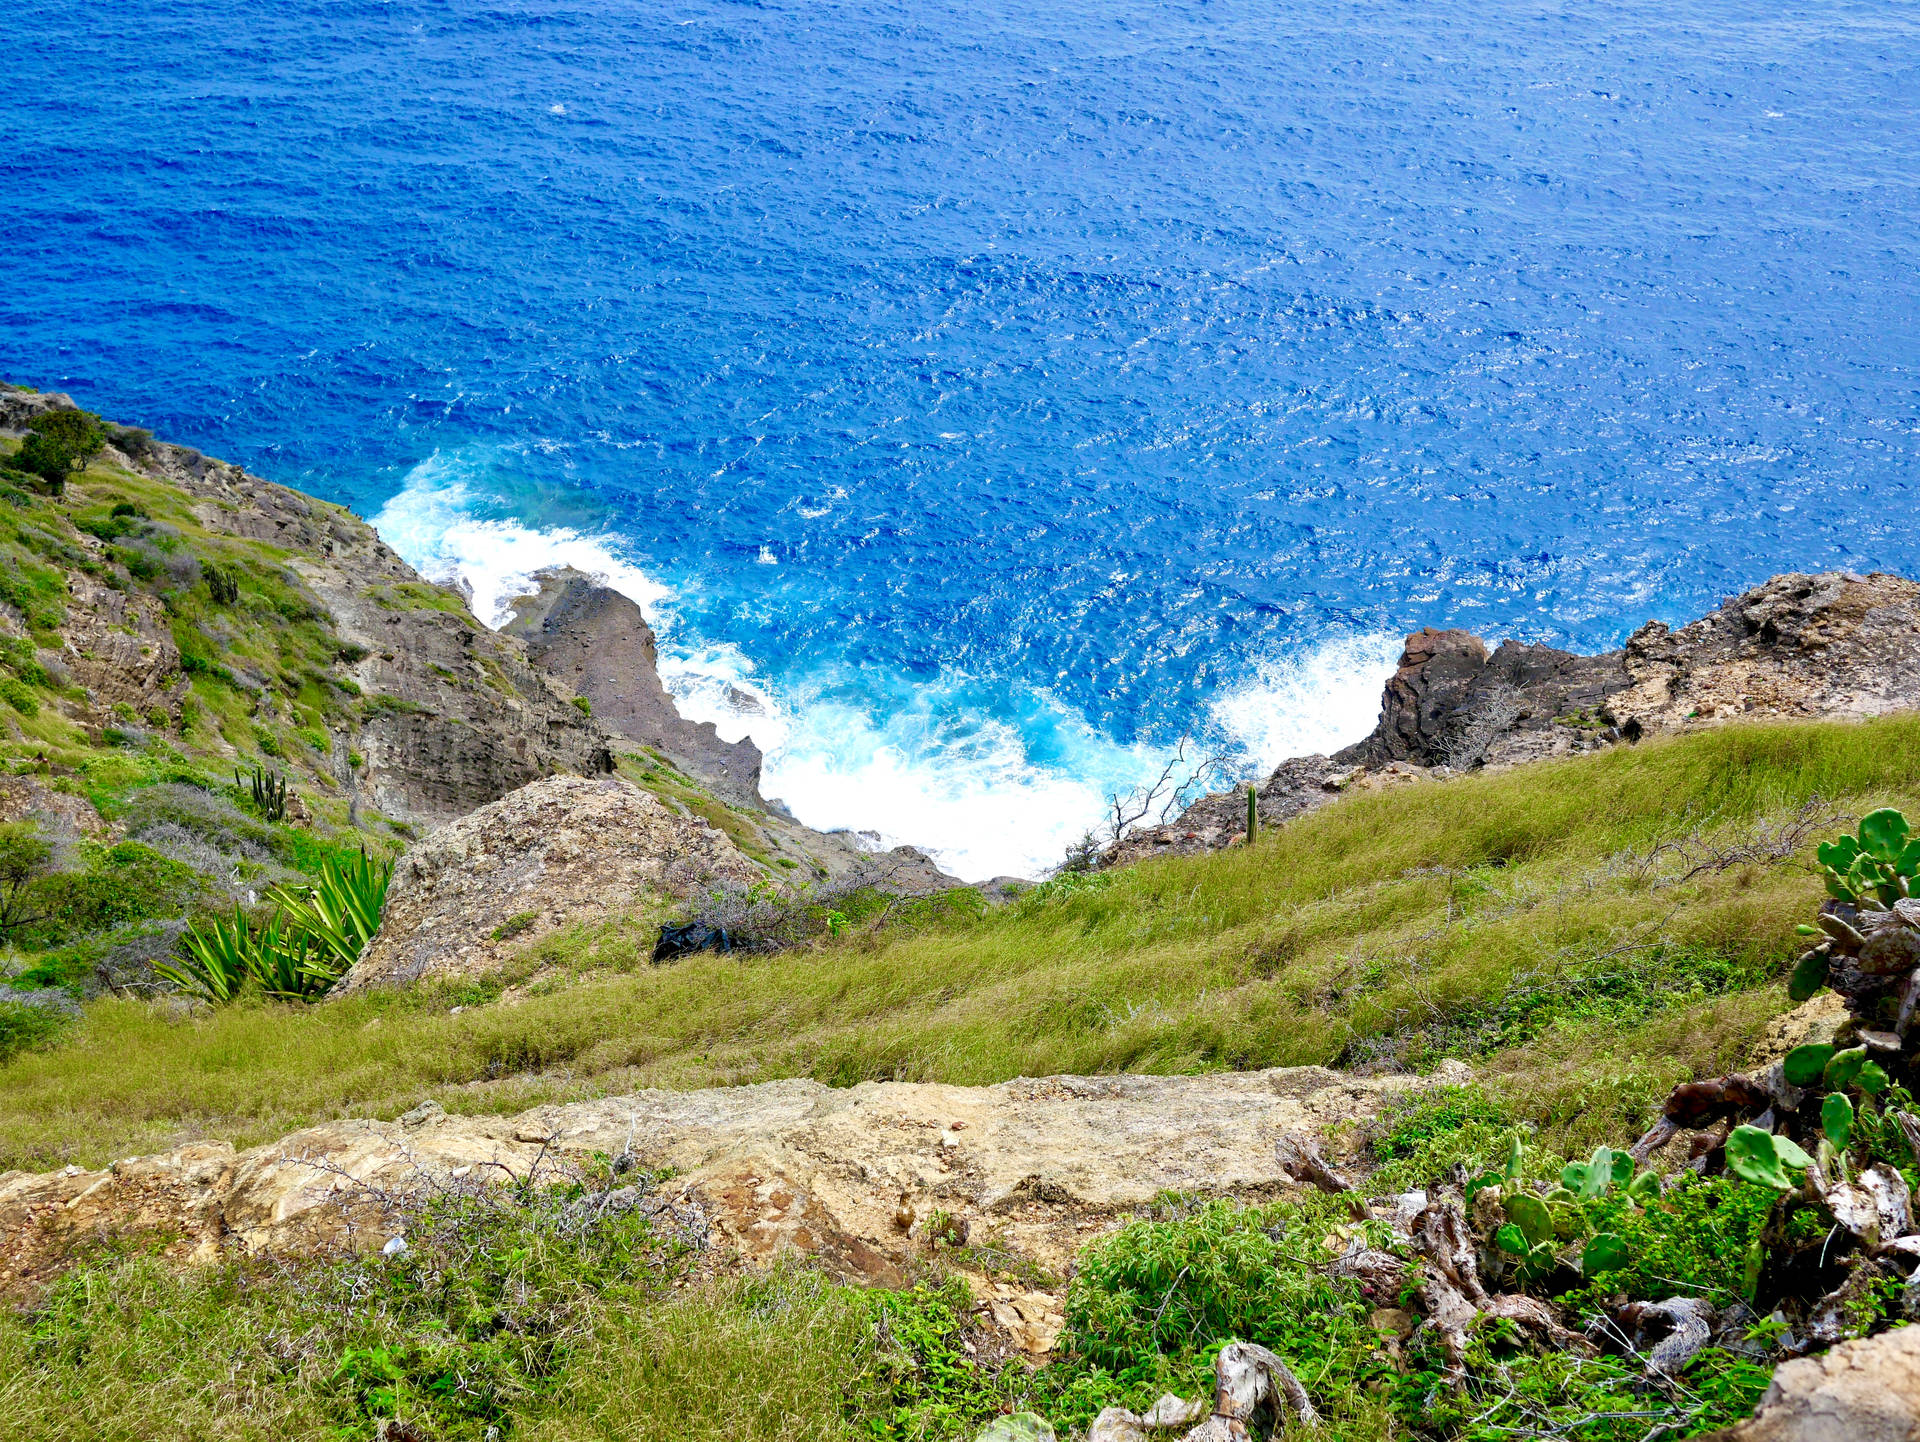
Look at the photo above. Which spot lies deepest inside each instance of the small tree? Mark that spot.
(24, 859)
(59, 443)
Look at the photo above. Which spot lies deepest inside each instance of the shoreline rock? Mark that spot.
(1831, 646)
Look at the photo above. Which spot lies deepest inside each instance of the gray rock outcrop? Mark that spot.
(1831, 646)
(563, 850)
(594, 639)
(454, 714)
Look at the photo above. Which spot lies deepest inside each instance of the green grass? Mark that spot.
(537, 1314)
(1516, 920)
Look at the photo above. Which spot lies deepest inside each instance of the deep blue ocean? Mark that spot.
(995, 393)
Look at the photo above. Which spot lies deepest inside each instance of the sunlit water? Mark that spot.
(1001, 392)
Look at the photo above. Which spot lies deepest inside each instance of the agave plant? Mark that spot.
(316, 934)
(339, 913)
(283, 960)
(213, 962)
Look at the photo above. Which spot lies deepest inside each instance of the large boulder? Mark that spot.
(565, 849)
(1863, 1391)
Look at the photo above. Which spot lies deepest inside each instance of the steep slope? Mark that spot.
(330, 647)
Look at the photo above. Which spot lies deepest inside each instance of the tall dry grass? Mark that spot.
(1522, 920)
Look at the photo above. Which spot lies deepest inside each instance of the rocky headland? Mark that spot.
(539, 780)
(1829, 646)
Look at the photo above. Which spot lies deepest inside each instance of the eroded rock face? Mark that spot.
(458, 715)
(596, 640)
(1833, 646)
(561, 850)
(849, 1176)
(1863, 1391)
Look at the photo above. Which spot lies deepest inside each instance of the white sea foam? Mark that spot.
(429, 522)
(910, 764)
(923, 773)
(1316, 700)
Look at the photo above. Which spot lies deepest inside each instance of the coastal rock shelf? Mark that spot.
(850, 1176)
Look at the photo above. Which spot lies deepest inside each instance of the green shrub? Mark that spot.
(38, 593)
(515, 925)
(23, 1026)
(122, 883)
(1206, 1273)
(58, 443)
(468, 1329)
(222, 581)
(19, 695)
(140, 564)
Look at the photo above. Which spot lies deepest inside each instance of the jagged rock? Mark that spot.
(562, 850)
(596, 640)
(456, 715)
(779, 1167)
(119, 647)
(1861, 1391)
(17, 408)
(1835, 645)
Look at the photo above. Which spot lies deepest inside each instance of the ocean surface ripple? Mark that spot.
(999, 392)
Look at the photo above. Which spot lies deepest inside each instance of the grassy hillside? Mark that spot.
(1584, 932)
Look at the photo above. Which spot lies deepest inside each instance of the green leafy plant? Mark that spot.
(1805, 1065)
(1836, 1119)
(1590, 1179)
(214, 961)
(1760, 1156)
(297, 954)
(223, 582)
(1877, 862)
(24, 859)
(58, 443)
(340, 911)
(1604, 1252)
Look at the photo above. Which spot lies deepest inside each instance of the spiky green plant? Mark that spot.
(214, 961)
(285, 962)
(269, 792)
(340, 912)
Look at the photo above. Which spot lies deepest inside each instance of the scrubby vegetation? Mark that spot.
(581, 1308)
(1589, 935)
(1586, 933)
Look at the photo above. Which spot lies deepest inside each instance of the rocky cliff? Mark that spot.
(444, 714)
(1832, 646)
(598, 641)
(254, 623)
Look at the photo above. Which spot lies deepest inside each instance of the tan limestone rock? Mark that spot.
(561, 850)
(788, 1166)
(1862, 1391)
